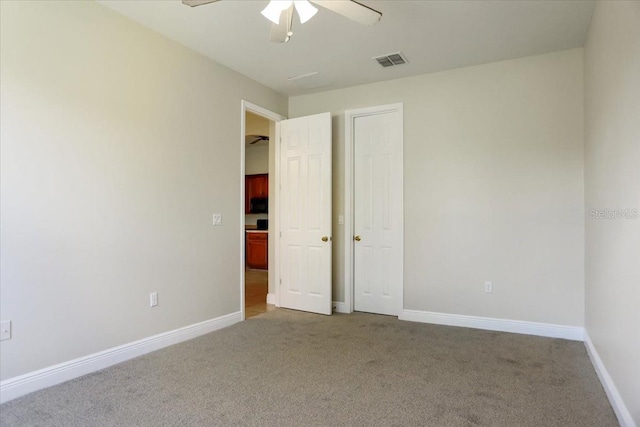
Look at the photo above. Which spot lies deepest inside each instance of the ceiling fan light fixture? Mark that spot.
(305, 10)
(274, 9)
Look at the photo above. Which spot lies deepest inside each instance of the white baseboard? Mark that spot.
(340, 307)
(574, 333)
(271, 299)
(623, 414)
(52, 375)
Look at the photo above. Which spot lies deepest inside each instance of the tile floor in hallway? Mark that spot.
(256, 285)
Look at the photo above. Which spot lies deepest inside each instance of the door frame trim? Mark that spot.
(274, 273)
(349, 118)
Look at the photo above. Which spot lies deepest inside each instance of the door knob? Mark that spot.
(357, 238)
(325, 239)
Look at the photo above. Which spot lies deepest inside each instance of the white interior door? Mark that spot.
(378, 214)
(305, 213)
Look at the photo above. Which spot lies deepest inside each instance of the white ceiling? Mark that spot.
(433, 35)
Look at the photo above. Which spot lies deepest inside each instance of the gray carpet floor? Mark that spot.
(291, 368)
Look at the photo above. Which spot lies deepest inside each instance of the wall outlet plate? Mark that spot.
(217, 219)
(488, 287)
(5, 330)
(153, 299)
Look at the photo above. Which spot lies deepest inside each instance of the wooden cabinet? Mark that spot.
(255, 186)
(258, 249)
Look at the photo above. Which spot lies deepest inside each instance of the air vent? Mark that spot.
(391, 59)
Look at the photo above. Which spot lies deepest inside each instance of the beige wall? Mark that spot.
(257, 159)
(256, 155)
(612, 181)
(256, 125)
(493, 186)
(118, 145)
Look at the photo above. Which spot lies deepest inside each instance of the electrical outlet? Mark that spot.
(488, 287)
(341, 219)
(153, 299)
(217, 219)
(5, 330)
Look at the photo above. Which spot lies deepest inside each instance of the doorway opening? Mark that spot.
(258, 215)
(259, 132)
(298, 208)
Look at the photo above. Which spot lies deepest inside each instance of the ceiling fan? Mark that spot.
(258, 138)
(276, 10)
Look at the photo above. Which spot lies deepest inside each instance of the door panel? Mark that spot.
(305, 159)
(378, 255)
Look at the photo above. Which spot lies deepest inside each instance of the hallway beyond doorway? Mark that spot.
(256, 284)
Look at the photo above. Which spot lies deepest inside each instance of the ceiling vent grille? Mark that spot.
(391, 59)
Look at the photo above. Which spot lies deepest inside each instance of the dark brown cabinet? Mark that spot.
(255, 186)
(258, 250)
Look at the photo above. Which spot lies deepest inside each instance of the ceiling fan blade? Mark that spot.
(259, 138)
(281, 33)
(351, 9)
(194, 3)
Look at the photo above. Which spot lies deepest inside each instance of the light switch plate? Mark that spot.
(5, 330)
(217, 219)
